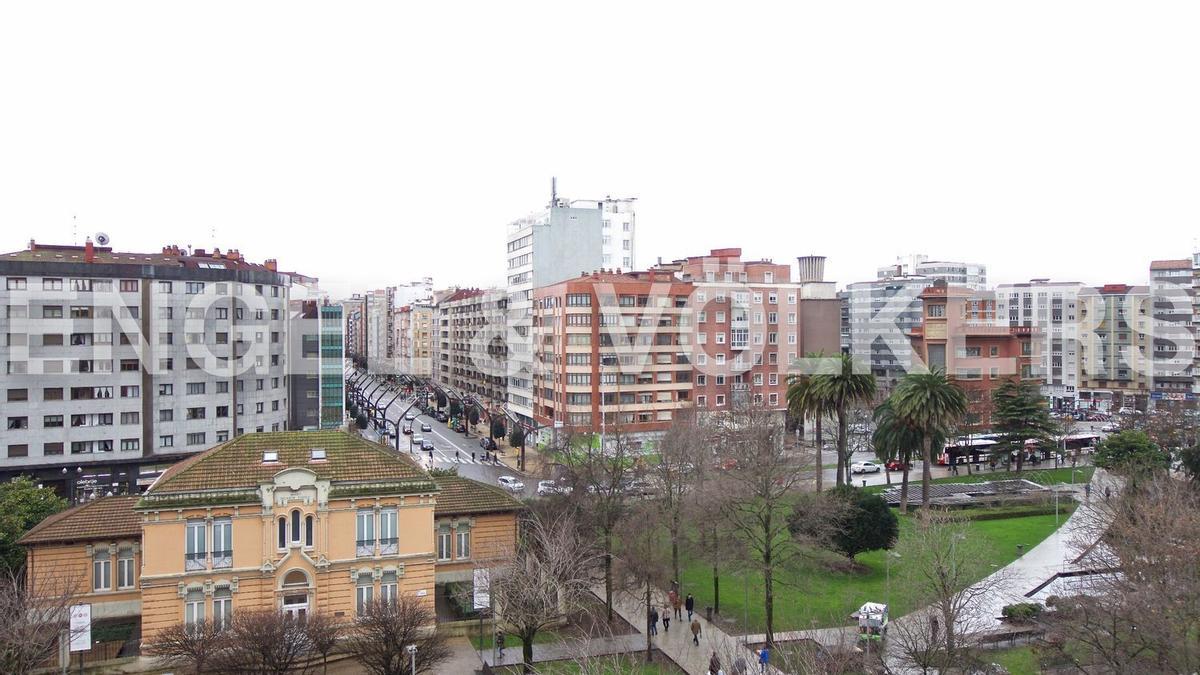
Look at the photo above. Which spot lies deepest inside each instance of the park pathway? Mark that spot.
(677, 643)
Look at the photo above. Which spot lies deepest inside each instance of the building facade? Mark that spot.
(959, 334)
(970, 275)
(612, 353)
(117, 364)
(470, 353)
(299, 523)
(380, 324)
(1116, 342)
(1051, 309)
(1175, 316)
(316, 387)
(414, 335)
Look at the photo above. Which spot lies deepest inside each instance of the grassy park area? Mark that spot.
(1064, 474)
(829, 587)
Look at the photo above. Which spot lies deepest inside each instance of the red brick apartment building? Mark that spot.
(612, 350)
(630, 349)
(960, 334)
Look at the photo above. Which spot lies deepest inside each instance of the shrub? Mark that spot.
(1022, 612)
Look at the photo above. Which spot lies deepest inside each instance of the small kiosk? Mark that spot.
(872, 621)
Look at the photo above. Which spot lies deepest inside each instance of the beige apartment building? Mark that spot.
(470, 345)
(414, 335)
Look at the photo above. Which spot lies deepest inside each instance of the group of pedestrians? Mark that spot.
(739, 664)
(675, 606)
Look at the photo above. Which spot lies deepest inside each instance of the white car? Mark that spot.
(511, 484)
(550, 487)
(865, 467)
(410, 416)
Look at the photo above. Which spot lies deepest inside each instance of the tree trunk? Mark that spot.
(716, 590)
(948, 619)
(768, 584)
(926, 471)
(820, 463)
(675, 525)
(608, 582)
(843, 448)
(903, 484)
(649, 644)
(526, 655)
(1020, 458)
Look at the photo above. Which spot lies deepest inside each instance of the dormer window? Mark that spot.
(270, 456)
(317, 455)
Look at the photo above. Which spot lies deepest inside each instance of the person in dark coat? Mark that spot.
(714, 664)
(653, 621)
(677, 605)
(690, 605)
(696, 631)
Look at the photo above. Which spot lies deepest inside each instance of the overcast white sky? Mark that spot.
(374, 144)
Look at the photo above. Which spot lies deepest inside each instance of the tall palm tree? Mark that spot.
(803, 403)
(895, 438)
(932, 404)
(838, 387)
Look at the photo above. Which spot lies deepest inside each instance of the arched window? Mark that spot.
(282, 532)
(295, 579)
(308, 531)
(296, 526)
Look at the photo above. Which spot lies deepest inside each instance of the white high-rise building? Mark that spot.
(566, 239)
(970, 275)
(1052, 308)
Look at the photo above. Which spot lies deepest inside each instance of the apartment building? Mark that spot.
(470, 353)
(380, 326)
(753, 321)
(354, 310)
(296, 522)
(970, 275)
(1173, 292)
(117, 364)
(316, 387)
(1051, 309)
(960, 335)
(544, 248)
(881, 315)
(612, 353)
(414, 335)
(1116, 343)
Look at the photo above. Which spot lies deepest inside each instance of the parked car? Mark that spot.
(426, 427)
(440, 416)
(487, 443)
(460, 427)
(865, 467)
(427, 445)
(407, 430)
(550, 487)
(511, 484)
(1110, 428)
(897, 465)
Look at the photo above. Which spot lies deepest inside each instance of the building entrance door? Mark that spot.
(295, 607)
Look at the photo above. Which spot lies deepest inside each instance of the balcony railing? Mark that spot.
(222, 559)
(195, 561)
(389, 545)
(364, 548)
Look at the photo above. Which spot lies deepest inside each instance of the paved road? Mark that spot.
(451, 449)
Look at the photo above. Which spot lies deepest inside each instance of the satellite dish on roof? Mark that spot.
(102, 238)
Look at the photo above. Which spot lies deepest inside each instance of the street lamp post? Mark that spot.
(887, 596)
(412, 657)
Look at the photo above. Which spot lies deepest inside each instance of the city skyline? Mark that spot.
(841, 141)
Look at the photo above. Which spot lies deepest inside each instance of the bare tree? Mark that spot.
(602, 477)
(380, 637)
(1140, 610)
(946, 573)
(676, 475)
(548, 575)
(646, 563)
(758, 480)
(324, 633)
(261, 641)
(190, 647)
(32, 619)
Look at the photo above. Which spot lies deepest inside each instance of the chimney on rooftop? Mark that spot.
(271, 264)
(32, 245)
(89, 251)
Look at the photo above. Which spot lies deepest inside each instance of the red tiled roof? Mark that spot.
(104, 518)
(1171, 264)
(462, 495)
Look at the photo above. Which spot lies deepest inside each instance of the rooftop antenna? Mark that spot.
(553, 191)
(74, 229)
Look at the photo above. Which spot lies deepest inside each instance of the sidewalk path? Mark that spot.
(566, 651)
(677, 643)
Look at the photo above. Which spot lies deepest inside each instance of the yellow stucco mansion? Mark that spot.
(316, 521)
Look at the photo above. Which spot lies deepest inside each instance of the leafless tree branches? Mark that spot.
(31, 620)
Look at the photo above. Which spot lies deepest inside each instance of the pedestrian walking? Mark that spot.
(739, 665)
(690, 605)
(500, 642)
(666, 619)
(456, 455)
(714, 664)
(1107, 493)
(653, 621)
(696, 632)
(677, 605)
(1087, 492)
(764, 658)
(472, 455)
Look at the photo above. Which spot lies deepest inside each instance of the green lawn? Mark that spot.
(615, 665)
(1018, 660)
(826, 590)
(511, 641)
(1081, 474)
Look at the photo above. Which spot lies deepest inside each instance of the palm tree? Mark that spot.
(895, 438)
(803, 403)
(932, 404)
(838, 387)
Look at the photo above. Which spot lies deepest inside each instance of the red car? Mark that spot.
(897, 465)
